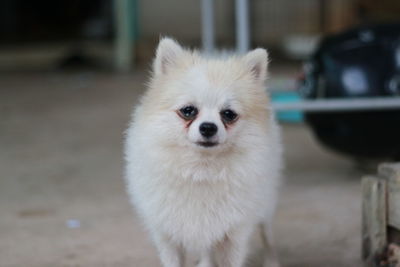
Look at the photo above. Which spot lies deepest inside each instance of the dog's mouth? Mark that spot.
(207, 144)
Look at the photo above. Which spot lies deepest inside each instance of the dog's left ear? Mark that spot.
(257, 62)
(168, 52)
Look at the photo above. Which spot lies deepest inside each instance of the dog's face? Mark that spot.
(206, 103)
(208, 112)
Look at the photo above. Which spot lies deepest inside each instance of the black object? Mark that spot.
(363, 62)
(208, 129)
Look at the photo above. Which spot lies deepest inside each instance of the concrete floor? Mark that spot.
(62, 198)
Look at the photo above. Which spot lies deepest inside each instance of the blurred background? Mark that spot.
(71, 72)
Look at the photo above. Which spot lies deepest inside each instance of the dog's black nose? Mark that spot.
(208, 129)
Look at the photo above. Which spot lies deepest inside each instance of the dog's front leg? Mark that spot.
(232, 250)
(206, 259)
(270, 257)
(171, 255)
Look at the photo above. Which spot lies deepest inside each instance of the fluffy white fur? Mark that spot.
(207, 200)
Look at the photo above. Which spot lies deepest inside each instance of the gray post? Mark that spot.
(207, 21)
(242, 26)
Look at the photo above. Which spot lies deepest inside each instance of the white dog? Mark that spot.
(204, 157)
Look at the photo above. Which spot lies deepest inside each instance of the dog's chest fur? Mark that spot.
(196, 202)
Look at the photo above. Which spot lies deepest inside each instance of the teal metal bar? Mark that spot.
(125, 16)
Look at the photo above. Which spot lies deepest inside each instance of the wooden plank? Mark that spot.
(394, 205)
(390, 171)
(374, 235)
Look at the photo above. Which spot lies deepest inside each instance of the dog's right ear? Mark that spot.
(168, 53)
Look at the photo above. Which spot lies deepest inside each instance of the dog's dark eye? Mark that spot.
(228, 115)
(188, 112)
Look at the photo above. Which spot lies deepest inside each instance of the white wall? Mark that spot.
(271, 20)
(182, 19)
